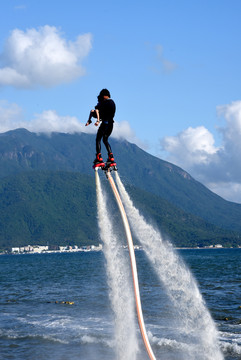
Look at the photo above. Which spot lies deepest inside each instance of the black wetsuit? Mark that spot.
(107, 112)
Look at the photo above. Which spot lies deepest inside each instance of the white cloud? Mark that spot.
(11, 117)
(42, 57)
(217, 167)
(193, 145)
(232, 132)
(167, 66)
(122, 130)
(20, 7)
(49, 121)
(228, 190)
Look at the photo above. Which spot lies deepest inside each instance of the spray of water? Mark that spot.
(197, 326)
(120, 286)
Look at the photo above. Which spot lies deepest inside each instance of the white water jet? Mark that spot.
(197, 326)
(120, 286)
(133, 269)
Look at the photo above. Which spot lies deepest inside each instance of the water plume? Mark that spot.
(193, 318)
(119, 283)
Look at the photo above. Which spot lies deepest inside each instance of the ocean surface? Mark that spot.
(57, 306)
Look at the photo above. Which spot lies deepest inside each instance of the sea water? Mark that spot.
(57, 306)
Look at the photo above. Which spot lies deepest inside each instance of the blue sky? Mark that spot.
(172, 67)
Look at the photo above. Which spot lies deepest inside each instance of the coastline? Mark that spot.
(36, 249)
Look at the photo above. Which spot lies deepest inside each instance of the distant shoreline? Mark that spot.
(99, 248)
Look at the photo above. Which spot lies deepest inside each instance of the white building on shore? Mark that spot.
(30, 249)
(38, 249)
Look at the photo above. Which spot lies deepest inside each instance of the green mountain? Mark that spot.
(47, 207)
(59, 208)
(184, 208)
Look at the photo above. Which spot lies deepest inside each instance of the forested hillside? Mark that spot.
(49, 207)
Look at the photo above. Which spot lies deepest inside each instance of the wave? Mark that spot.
(88, 339)
(14, 335)
(230, 343)
(168, 343)
(230, 348)
(56, 328)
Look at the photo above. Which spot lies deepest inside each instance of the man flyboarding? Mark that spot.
(104, 112)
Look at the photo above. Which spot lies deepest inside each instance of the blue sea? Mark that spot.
(57, 306)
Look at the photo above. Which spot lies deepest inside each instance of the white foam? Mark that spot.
(88, 339)
(16, 335)
(230, 342)
(168, 343)
(231, 347)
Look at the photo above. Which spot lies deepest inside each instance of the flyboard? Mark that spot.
(132, 258)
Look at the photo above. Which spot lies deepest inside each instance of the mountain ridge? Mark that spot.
(59, 208)
(21, 150)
